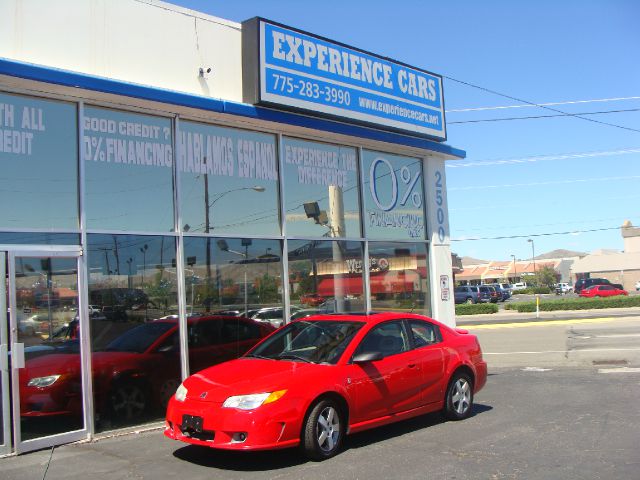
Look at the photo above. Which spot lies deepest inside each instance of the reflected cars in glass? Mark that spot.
(319, 378)
(312, 299)
(136, 373)
(602, 291)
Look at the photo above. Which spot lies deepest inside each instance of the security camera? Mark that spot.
(203, 71)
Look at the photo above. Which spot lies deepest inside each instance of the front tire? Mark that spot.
(128, 402)
(323, 431)
(470, 301)
(459, 397)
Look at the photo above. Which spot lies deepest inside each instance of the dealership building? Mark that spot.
(167, 174)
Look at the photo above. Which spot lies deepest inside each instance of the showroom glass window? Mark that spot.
(128, 160)
(320, 189)
(399, 276)
(325, 276)
(39, 161)
(229, 180)
(133, 306)
(393, 196)
(233, 295)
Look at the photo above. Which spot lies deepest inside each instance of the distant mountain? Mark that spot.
(560, 254)
(472, 261)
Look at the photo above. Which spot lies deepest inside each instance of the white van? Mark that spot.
(519, 286)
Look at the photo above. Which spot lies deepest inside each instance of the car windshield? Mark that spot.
(139, 339)
(309, 341)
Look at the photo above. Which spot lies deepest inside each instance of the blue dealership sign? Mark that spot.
(291, 69)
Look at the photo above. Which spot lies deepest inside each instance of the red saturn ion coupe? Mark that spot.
(317, 379)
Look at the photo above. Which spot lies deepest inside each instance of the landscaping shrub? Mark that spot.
(576, 304)
(470, 309)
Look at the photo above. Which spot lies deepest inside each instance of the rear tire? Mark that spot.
(459, 398)
(323, 431)
(470, 301)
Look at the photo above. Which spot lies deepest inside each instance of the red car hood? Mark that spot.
(69, 363)
(249, 375)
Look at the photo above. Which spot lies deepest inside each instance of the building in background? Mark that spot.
(617, 267)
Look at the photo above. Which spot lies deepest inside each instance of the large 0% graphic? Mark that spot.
(94, 151)
(409, 181)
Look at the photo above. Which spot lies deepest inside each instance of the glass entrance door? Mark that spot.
(45, 355)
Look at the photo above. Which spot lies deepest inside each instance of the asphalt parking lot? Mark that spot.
(560, 402)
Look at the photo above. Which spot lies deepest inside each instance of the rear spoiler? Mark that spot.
(461, 331)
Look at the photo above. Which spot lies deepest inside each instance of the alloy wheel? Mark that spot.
(461, 396)
(328, 429)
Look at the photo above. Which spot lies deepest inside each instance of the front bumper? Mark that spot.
(265, 428)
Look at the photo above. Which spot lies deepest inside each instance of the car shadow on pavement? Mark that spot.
(240, 461)
(278, 459)
(381, 434)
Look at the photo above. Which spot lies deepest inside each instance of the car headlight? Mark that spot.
(249, 402)
(43, 381)
(181, 393)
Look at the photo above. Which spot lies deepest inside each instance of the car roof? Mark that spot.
(201, 318)
(370, 317)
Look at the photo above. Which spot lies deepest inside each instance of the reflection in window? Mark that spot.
(229, 180)
(133, 301)
(128, 161)
(216, 338)
(47, 324)
(39, 158)
(234, 276)
(31, 238)
(393, 196)
(326, 276)
(399, 276)
(321, 189)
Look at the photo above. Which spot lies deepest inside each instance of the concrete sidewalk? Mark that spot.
(506, 316)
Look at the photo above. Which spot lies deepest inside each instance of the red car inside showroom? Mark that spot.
(318, 379)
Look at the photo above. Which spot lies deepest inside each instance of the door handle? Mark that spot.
(17, 355)
(412, 365)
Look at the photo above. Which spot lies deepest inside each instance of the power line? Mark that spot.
(537, 117)
(547, 234)
(573, 102)
(538, 105)
(551, 182)
(540, 158)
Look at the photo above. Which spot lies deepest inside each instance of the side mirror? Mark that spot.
(168, 349)
(367, 357)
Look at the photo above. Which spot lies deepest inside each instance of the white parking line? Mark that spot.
(538, 323)
(616, 335)
(586, 350)
(619, 370)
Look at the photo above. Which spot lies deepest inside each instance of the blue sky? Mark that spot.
(533, 178)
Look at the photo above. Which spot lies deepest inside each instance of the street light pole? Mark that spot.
(515, 270)
(207, 223)
(144, 260)
(533, 256)
(222, 245)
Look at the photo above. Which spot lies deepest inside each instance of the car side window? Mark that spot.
(203, 334)
(424, 333)
(238, 329)
(388, 338)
